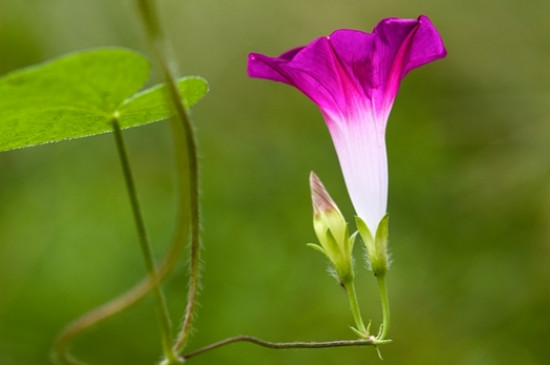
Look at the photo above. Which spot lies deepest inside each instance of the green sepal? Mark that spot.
(341, 260)
(352, 239)
(377, 246)
(317, 248)
(332, 247)
(381, 243)
(364, 231)
(339, 256)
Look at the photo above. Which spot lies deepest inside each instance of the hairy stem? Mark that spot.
(185, 143)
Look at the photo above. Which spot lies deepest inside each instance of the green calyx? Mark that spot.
(338, 249)
(377, 246)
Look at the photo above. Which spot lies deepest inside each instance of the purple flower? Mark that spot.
(353, 77)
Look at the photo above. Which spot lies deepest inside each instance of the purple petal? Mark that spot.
(427, 46)
(354, 49)
(315, 70)
(402, 45)
(350, 65)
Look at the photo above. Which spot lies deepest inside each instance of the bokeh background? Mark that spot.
(469, 200)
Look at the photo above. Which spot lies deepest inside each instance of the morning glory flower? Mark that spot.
(353, 77)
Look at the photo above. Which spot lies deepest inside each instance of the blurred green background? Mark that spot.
(469, 200)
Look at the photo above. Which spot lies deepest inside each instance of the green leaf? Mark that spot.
(79, 94)
(150, 105)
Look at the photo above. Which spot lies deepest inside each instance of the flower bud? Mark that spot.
(332, 231)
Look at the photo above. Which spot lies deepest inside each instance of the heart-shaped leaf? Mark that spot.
(78, 95)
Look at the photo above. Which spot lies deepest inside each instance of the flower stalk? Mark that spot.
(385, 326)
(359, 328)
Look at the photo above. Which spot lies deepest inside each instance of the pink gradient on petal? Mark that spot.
(361, 150)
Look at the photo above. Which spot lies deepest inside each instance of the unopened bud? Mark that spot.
(331, 230)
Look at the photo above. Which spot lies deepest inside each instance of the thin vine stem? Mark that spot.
(114, 306)
(184, 143)
(280, 345)
(160, 301)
